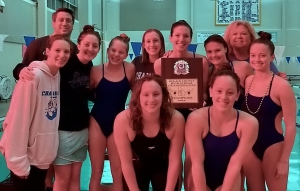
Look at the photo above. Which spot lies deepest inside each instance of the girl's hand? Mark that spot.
(167, 54)
(282, 75)
(24, 177)
(26, 74)
(281, 169)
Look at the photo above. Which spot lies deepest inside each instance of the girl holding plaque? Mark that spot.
(220, 137)
(181, 37)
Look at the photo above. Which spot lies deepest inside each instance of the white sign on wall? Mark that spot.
(227, 11)
(201, 37)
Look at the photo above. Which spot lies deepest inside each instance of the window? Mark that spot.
(71, 4)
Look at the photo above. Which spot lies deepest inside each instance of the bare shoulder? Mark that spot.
(96, 72)
(157, 66)
(158, 61)
(241, 64)
(281, 85)
(176, 125)
(130, 68)
(249, 78)
(247, 121)
(280, 82)
(96, 68)
(122, 120)
(177, 117)
(123, 116)
(129, 65)
(198, 115)
(205, 61)
(196, 123)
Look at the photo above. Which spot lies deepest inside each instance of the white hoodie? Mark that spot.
(31, 124)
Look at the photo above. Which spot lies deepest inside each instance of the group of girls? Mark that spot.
(145, 142)
(240, 127)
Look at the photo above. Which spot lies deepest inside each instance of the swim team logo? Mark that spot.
(140, 75)
(181, 67)
(79, 80)
(52, 106)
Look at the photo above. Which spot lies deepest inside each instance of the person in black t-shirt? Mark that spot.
(62, 22)
(74, 113)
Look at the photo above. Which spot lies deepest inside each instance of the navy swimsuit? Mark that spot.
(110, 101)
(218, 151)
(267, 133)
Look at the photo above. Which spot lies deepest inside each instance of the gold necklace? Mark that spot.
(246, 96)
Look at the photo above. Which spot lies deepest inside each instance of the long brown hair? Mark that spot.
(218, 39)
(136, 114)
(145, 54)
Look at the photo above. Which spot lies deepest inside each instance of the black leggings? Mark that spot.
(34, 182)
(146, 174)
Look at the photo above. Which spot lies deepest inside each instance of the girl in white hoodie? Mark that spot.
(30, 138)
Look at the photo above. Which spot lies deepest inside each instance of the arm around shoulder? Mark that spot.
(31, 54)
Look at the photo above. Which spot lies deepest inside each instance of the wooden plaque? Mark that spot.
(184, 78)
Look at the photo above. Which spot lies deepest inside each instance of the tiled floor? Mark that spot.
(294, 175)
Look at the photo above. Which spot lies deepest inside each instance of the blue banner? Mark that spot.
(192, 48)
(130, 56)
(288, 59)
(136, 47)
(28, 40)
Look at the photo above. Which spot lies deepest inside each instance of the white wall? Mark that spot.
(24, 17)
(278, 16)
(9, 57)
(106, 16)
(15, 24)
